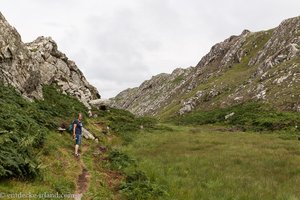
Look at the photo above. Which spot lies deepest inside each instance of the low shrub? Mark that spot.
(249, 116)
(20, 136)
(57, 107)
(119, 160)
(138, 186)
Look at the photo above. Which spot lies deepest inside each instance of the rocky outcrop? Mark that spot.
(29, 66)
(154, 93)
(261, 66)
(225, 53)
(283, 45)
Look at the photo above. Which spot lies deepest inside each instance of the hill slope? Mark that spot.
(29, 66)
(262, 66)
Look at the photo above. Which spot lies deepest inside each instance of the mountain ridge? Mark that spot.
(258, 57)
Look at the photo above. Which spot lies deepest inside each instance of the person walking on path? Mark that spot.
(77, 133)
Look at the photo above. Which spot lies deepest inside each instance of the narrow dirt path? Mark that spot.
(83, 179)
(82, 183)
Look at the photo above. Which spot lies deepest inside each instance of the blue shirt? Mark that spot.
(78, 130)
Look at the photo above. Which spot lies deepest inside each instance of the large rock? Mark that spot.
(100, 102)
(87, 135)
(29, 66)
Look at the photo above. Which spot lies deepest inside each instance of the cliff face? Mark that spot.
(261, 66)
(29, 66)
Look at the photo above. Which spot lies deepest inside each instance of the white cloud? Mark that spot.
(118, 44)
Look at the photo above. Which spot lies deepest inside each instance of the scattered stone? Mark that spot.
(61, 129)
(238, 98)
(90, 114)
(103, 149)
(261, 92)
(87, 135)
(229, 115)
(282, 78)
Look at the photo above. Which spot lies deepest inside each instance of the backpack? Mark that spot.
(71, 126)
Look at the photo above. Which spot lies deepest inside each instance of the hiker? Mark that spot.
(77, 133)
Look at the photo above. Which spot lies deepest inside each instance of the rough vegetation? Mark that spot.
(21, 135)
(24, 126)
(244, 117)
(214, 162)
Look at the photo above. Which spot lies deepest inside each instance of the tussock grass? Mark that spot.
(205, 163)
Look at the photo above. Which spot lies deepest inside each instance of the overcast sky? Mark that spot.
(120, 43)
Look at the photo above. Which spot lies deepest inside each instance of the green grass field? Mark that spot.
(209, 162)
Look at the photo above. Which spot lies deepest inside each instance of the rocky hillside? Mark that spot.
(254, 66)
(29, 66)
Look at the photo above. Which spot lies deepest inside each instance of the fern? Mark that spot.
(23, 126)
